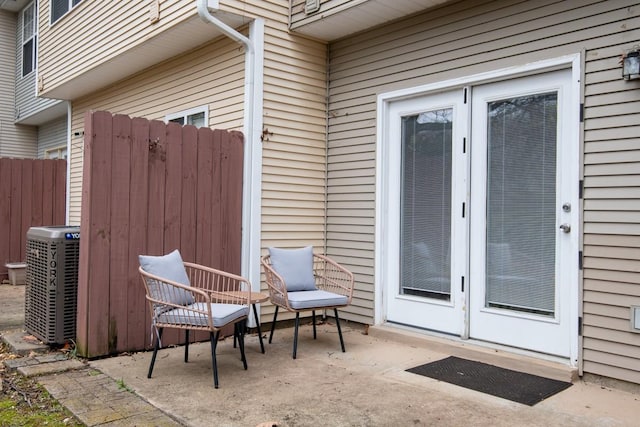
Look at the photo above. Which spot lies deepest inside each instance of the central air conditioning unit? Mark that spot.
(51, 292)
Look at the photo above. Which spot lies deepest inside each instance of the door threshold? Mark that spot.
(543, 365)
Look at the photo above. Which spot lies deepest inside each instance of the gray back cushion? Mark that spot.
(295, 266)
(170, 267)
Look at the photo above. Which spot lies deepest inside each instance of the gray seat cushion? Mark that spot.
(295, 266)
(315, 299)
(223, 314)
(170, 267)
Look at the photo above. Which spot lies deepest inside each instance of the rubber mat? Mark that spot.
(505, 383)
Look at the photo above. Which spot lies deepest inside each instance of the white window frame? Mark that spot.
(56, 153)
(33, 37)
(185, 114)
(70, 5)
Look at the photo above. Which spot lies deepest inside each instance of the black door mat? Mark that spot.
(512, 385)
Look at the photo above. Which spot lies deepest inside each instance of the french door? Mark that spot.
(485, 210)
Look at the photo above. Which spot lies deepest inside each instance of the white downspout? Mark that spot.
(67, 208)
(252, 127)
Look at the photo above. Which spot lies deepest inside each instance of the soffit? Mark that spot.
(176, 40)
(13, 5)
(338, 19)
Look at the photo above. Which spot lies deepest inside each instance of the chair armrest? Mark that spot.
(332, 277)
(275, 283)
(221, 286)
(165, 294)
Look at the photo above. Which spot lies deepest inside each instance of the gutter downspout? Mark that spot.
(249, 71)
(67, 208)
(250, 266)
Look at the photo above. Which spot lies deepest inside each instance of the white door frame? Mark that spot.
(385, 259)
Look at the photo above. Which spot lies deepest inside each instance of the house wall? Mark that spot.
(211, 75)
(52, 135)
(15, 140)
(26, 102)
(293, 163)
(298, 10)
(96, 31)
(470, 37)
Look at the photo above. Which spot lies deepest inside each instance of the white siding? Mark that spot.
(15, 140)
(477, 36)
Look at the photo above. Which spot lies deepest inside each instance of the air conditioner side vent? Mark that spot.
(51, 292)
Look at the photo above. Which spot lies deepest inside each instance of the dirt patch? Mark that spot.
(24, 402)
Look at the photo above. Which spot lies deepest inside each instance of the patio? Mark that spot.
(367, 385)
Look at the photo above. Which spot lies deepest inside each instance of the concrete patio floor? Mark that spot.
(366, 386)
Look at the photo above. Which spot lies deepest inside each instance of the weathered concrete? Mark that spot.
(11, 307)
(367, 385)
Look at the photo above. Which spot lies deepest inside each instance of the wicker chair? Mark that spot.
(331, 288)
(187, 296)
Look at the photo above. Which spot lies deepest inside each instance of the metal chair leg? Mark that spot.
(155, 351)
(255, 314)
(335, 310)
(313, 320)
(295, 335)
(241, 327)
(186, 346)
(214, 343)
(273, 324)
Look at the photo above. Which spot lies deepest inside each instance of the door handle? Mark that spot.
(566, 228)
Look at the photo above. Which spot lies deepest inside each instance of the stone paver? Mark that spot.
(96, 399)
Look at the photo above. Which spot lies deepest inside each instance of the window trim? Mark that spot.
(184, 114)
(70, 5)
(61, 152)
(33, 39)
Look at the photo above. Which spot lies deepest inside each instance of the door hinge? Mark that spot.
(462, 282)
(580, 189)
(580, 260)
(464, 95)
(463, 208)
(464, 145)
(581, 112)
(580, 326)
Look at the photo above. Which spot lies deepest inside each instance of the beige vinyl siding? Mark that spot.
(294, 120)
(211, 75)
(27, 103)
(466, 38)
(611, 211)
(298, 10)
(96, 31)
(15, 140)
(52, 135)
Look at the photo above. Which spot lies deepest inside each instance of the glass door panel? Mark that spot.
(521, 203)
(425, 247)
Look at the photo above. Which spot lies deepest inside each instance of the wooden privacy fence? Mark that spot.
(148, 188)
(32, 194)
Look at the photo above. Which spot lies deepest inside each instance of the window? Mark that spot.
(195, 116)
(61, 7)
(56, 153)
(29, 39)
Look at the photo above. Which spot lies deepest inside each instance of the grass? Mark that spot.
(25, 403)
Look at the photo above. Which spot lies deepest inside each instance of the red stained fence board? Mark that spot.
(150, 188)
(32, 194)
